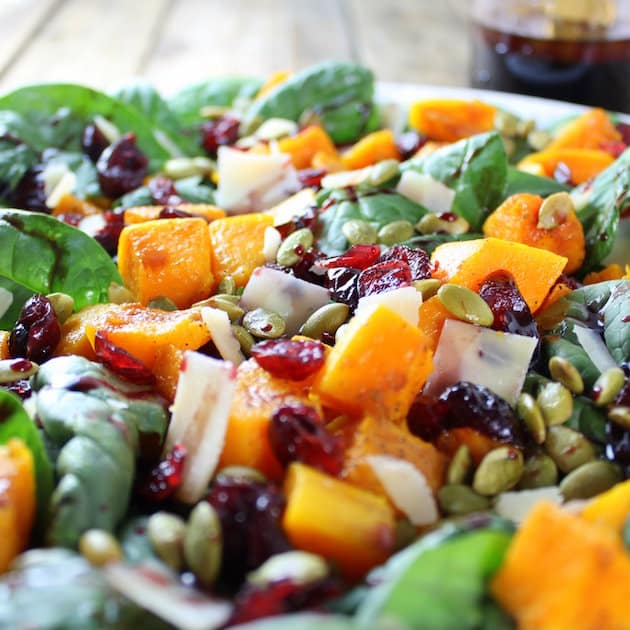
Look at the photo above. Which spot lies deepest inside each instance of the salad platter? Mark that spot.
(313, 352)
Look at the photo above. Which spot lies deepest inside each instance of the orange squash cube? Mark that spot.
(352, 527)
(591, 130)
(303, 146)
(373, 148)
(583, 164)
(168, 360)
(166, 258)
(611, 508)
(4, 344)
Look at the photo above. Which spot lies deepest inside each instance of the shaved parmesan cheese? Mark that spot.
(517, 505)
(344, 179)
(496, 360)
(64, 186)
(200, 413)
(405, 301)
(292, 207)
(218, 324)
(595, 347)
(6, 299)
(407, 488)
(107, 128)
(426, 191)
(271, 244)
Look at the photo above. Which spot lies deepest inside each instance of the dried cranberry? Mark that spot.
(358, 256)
(163, 191)
(296, 433)
(511, 313)
(121, 167)
(174, 213)
(250, 513)
(311, 177)
(624, 130)
(307, 219)
(71, 218)
(218, 132)
(293, 359)
(37, 331)
(109, 234)
(282, 596)
(466, 405)
(417, 259)
(161, 482)
(30, 193)
(119, 361)
(343, 285)
(306, 268)
(384, 276)
(409, 143)
(614, 147)
(93, 142)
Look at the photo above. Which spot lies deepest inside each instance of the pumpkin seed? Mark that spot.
(263, 323)
(607, 386)
(241, 472)
(458, 499)
(382, 172)
(166, 534)
(118, 294)
(276, 128)
(525, 127)
(63, 305)
(540, 471)
(566, 373)
(431, 223)
(554, 210)
(203, 543)
(508, 144)
(427, 287)
(227, 286)
(359, 232)
(538, 139)
(99, 547)
(162, 304)
(460, 466)
(555, 403)
(293, 247)
(589, 480)
(301, 567)
(620, 415)
(395, 232)
(325, 319)
(234, 311)
(15, 369)
(506, 123)
(498, 471)
(529, 412)
(568, 448)
(465, 304)
(181, 167)
(244, 338)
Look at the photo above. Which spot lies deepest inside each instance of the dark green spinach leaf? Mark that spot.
(19, 295)
(428, 242)
(520, 181)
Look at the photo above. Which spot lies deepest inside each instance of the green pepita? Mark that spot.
(508, 144)
(264, 324)
(244, 473)
(166, 534)
(568, 448)
(538, 139)
(506, 123)
(427, 287)
(118, 294)
(431, 223)
(465, 304)
(162, 304)
(566, 373)
(245, 340)
(529, 412)
(326, 319)
(382, 172)
(15, 369)
(498, 471)
(99, 547)
(63, 305)
(460, 466)
(227, 286)
(554, 210)
(395, 232)
(293, 247)
(359, 232)
(180, 167)
(458, 499)
(589, 480)
(226, 304)
(203, 543)
(555, 402)
(620, 414)
(301, 567)
(607, 386)
(525, 127)
(540, 471)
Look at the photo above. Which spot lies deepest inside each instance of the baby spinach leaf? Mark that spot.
(608, 198)
(378, 208)
(617, 322)
(15, 160)
(194, 190)
(16, 423)
(520, 181)
(20, 295)
(588, 420)
(339, 93)
(475, 168)
(222, 92)
(428, 242)
(139, 197)
(86, 184)
(66, 260)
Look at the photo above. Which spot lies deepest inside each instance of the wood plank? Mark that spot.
(96, 42)
(407, 40)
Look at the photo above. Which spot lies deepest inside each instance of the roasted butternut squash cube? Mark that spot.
(582, 164)
(351, 526)
(167, 258)
(377, 367)
(375, 147)
(4, 344)
(303, 146)
(611, 508)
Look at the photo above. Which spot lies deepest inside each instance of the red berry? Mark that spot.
(119, 361)
(417, 259)
(384, 276)
(293, 359)
(121, 167)
(163, 480)
(218, 132)
(358, 257)
(163, 191)
(37, 331)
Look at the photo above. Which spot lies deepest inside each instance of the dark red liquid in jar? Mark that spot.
(518, 54)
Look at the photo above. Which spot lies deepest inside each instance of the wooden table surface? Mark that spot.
(103, 43)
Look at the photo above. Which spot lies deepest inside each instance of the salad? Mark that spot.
(276, 355)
